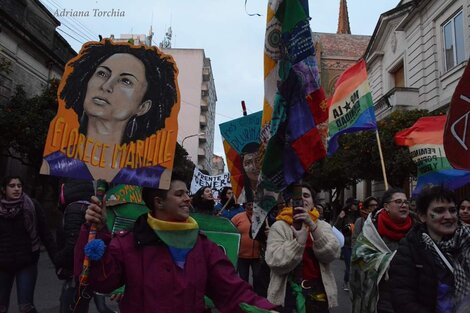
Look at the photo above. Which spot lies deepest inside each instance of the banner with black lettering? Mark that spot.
(425, 140)
(216, 182)
(351, 108)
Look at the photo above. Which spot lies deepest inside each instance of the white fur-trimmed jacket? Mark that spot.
(284, 253)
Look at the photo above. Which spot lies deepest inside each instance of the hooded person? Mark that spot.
(74, 198)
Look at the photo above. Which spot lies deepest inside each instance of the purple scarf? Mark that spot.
(11, 208)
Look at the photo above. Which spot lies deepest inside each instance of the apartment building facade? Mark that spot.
(196, 120)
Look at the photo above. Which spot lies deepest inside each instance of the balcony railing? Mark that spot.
(397, 98)
(201, 152)
(202, 120)
(206, 74)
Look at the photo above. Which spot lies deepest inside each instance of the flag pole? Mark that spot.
(381, 158)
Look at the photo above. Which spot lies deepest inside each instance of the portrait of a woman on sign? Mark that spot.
(117, 116)
(241, 144)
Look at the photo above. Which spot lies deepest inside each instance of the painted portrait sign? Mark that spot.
(241, 144)
(117, 116)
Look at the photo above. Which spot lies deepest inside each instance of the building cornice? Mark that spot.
(383, 26)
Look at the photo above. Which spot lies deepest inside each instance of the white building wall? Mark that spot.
(189, 63)
(419, 46)
(416, 40)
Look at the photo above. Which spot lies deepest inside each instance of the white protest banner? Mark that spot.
(215, 182)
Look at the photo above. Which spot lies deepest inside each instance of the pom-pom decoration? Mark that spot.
(94, 249)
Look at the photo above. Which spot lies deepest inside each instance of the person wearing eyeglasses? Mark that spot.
(431, 269)
(373, 251)
(464, 211)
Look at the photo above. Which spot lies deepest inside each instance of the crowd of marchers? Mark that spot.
(400, 255)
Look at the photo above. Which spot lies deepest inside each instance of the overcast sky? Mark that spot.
(231, 38)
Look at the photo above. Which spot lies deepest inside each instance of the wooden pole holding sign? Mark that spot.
(381, 159)
(244, 108)
(101, 187)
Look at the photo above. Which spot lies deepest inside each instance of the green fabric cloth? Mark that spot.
(299, 297)
(208, 303)
(252, 309)
(370, 261)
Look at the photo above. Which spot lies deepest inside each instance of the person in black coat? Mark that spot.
(431, 270)
(345, 223)
(73, 202)
(22, 228)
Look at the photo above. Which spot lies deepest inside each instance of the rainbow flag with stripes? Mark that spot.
(425, 140)
(351, 107)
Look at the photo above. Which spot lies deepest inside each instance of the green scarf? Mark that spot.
(370, 261)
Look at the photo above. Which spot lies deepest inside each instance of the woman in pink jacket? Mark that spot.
(165, 263)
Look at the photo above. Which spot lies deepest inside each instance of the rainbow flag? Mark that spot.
(425, 140)
(351, 107)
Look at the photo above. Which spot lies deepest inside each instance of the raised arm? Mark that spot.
(105, 275)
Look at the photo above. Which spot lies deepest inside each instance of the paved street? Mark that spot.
(48, 290)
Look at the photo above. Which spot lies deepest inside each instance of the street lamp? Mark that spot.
(193, 135)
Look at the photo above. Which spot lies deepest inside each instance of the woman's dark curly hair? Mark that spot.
(160, 73)
(200, 204)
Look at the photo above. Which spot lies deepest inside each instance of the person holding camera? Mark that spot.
(345, 222)
(299, 251)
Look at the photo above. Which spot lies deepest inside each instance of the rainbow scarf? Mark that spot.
(180, 237)
(287, 213)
